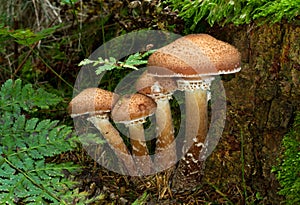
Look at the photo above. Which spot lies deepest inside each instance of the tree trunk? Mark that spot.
(261, 102)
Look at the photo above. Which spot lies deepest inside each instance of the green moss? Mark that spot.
(288, 172)
(235, 11)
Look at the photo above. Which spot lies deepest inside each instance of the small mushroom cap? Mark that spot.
(133, 107)
(195, 55)
(150, 85)
(92, 101)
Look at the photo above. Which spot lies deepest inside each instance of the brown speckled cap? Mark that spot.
(92, 101)
(195, 55)
(149, 85)
(132, 108)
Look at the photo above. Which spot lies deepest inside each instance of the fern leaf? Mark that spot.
(19, 123)
(25, 144)
(13, 96)
(22, 163)
(43, 99)
(6, 170)
(31, 124)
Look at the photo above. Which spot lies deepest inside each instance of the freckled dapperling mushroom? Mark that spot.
(194, 59)
(132, 110)
(97, 104)
(160, 90)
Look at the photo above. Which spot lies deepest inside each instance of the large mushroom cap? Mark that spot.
(92, 101)
(195, 55)
(151, 86)
(133, 107)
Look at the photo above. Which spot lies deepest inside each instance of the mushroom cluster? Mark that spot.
(194, 61)
(188, 64)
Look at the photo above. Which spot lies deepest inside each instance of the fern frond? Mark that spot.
(24, 172)
(14, 96)
(25, 144)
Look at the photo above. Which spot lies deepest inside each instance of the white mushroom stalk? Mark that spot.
(138, 143)
(195, 133)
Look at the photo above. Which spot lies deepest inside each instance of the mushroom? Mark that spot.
(160, 90)
(132, 110)
(97, 104)
(194, 59)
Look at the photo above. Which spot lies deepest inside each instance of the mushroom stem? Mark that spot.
(139, 148)
(190, 168)
(196, 116)
(165, 153)
(115, 141)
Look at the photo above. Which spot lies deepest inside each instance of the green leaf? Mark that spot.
(91, 139)
(105, 67)
(141, 200)
(135, 60)
(27, 37)
(85, 62)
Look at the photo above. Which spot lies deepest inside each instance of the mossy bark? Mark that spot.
(261, 103)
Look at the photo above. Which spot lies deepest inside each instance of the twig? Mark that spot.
(29, 53)
(53, 71)
(53, 9)
(16, 45)
(37, 19)
(26, 57)
(36, 15)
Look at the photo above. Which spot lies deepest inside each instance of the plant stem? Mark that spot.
(33, 182)
(52, 70)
